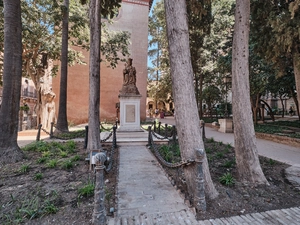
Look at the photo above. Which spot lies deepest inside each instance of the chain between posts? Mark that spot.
(160, 158)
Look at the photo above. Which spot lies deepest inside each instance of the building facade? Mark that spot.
(132, 17)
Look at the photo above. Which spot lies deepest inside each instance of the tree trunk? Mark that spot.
(247, 160)
(62, 122)
(270, 110)
(12, 76)
(296, 65)
(187, 118)
(282, 104)
(94, 82)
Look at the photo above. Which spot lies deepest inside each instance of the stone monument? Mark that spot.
(129, 100)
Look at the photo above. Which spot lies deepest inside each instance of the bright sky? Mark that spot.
(149, 64)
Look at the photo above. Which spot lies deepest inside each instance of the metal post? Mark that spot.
(159, 123)
(149, 135)
(86, 136)
(166, 130)
(38, 136)
(51, 130)
(200, 203)
(202, 125)
(99, 214)
(154, 125)
(114, 136)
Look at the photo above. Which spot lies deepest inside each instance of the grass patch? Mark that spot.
(227, 179)
(52, 163)
(87, 190)
(24, 168)
(38, 176)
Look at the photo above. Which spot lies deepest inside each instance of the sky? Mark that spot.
(149, 64)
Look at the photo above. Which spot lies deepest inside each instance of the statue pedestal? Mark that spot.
(130, 113)
(225, 125)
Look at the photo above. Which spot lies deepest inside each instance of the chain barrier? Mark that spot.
(105, 139)
(106, 129)
(155, 150)
(159, 138)
(109, 166)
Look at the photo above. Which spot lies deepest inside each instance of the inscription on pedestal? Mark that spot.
(130, 114)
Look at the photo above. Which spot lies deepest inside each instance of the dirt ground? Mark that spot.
(53, 199)
(240, 198)
(26, 198)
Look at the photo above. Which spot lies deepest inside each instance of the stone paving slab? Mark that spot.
(143, 186)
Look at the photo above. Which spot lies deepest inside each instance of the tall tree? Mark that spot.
(62, 123)
(95, 9)
(276, 32)
(12, 74)
(94, 77)
(244, 136)
(187, 118)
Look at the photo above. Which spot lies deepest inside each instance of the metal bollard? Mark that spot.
(51, 130)
(86, 136)
(166, 130)
(99, 214)
(149, 135)
(200, 203)
(159, 123)
(202, 124)
(38, 136)
(114, 136)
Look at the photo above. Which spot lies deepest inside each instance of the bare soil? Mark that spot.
(241, 198)
(54, 199)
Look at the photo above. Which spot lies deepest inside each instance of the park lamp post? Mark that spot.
(227, 81)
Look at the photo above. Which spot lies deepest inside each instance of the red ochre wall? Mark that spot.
(133, 17)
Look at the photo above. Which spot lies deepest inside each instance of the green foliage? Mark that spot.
(210, 140)
(24, 168)
(229, 164)
(108, 194)
(42, 160)
(220, 155)
(227, 179)
(87, 190)
(38, 176)
(72, 134)
(63, 154)
(272, 162)
(52, 163)
(170, 153)
(211, 95)
(49, 208)
(36, 146)
(75, 158)
(31, 207)
(68, 164)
